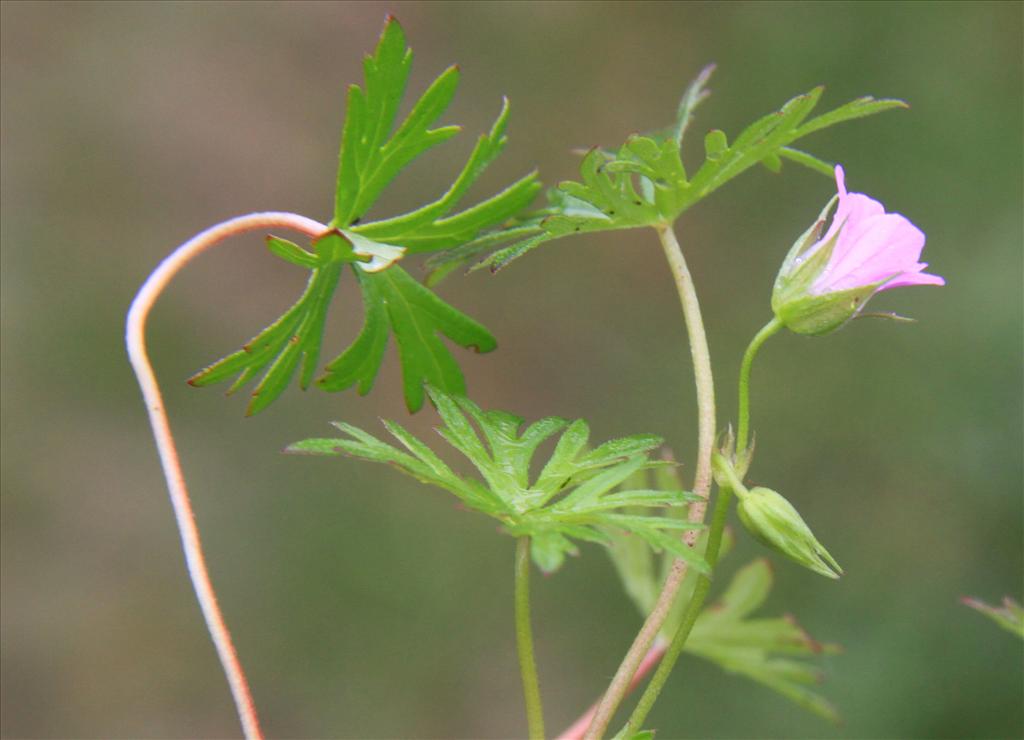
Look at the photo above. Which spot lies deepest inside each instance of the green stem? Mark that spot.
(718, 519)
(700, 592)
(743, 430)
(524, 641)
(704, 382)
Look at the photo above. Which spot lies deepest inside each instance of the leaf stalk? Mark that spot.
(524, 641)
(135, 339)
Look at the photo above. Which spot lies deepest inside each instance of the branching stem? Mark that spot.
(576, 730)
(693, 609)
(718, 519)
(524, 641)
(704, 383)
(135, 338)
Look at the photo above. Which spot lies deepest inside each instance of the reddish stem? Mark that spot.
(136, 340)
(651, 659)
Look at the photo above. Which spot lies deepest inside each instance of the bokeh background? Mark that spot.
(364, 605)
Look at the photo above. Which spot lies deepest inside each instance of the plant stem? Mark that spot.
(524, 641)
(693, 609)
(135, 338)
(577, 728)
(744, 390)
(718, 519)
(704, 383)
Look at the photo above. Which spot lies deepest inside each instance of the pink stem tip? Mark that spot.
(651, 659)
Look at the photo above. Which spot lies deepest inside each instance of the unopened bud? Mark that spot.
(776, 523)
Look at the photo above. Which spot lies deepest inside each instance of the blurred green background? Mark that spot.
(364, 605)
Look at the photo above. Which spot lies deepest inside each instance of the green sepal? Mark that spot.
(800, 269)
(815, 315)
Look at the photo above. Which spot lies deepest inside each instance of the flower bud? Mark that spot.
(775, 523)
(826, 280)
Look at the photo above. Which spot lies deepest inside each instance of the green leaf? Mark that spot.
(715, 144)
(397, 304)
(291, 252)
(588, 495)
(859, 108)
(562, 464)
(369, 157)
(375, 148)
(294, 338)
(430, 228)
(807, 160)
(1009, 616)
(695, 94)
(644, 183)
(573, 498)
(726, 634)
(771, 651)
(617, 449)
(316, 446)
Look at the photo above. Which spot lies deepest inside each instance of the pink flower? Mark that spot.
(872, 247)
(826, 280)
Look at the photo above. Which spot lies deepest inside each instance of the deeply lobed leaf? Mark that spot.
(396, 304)
(574, 497)
(645, 183)
(726, 634)
(295, 338)
(375, 148)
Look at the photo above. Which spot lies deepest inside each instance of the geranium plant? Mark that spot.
(625, 494)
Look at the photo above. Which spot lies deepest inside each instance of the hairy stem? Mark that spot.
(693, 609)
(524, 641)
(704, 383)
(744, 390)
(718, 519)
(135, 338)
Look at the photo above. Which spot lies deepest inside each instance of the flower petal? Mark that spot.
(914, 278)
(852, 209)
(876, 249)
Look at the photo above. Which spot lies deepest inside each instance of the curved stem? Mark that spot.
(135, 338)
(744, 391)
(704, 383)
(731, 484)
(577, 728)
(524, 641)
(693, 609)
